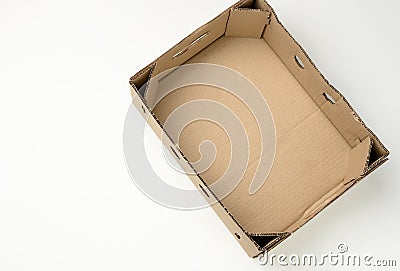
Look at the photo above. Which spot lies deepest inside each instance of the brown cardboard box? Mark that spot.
(322, 146)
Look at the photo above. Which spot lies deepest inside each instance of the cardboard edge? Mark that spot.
(376, 165)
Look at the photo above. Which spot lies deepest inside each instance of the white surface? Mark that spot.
(66, 199)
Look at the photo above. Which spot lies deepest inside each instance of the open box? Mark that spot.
(322, 146)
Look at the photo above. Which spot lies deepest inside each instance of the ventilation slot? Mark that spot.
(329, 98)
(299, 62)
(184, 50)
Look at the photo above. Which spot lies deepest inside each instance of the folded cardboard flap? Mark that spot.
(357, 165)
(247, 23)
(323, 147)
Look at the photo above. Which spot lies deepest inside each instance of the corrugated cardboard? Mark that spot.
(323, 147)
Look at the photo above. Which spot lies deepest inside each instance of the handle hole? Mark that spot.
(237, 236)
(184, 50)
(299, 62)
(329, 98)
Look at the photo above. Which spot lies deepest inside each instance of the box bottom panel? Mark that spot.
(311, 155)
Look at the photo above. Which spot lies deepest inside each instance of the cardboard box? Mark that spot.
(322, 146)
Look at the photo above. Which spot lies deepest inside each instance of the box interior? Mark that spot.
(319, 154)
(311, 155)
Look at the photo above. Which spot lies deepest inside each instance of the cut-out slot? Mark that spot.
(329, 98)
(143, 109)
(237, 235)
(204, 191)
(184, 50)
(173, 150)
(299, 62)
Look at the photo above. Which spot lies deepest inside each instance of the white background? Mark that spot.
(66, 199)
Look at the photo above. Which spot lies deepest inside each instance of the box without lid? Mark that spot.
(322, 147)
